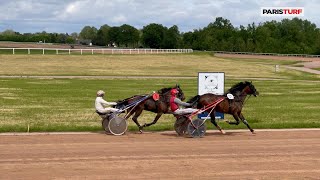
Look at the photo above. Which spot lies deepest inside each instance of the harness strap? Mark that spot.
(212, 105)
(242, 102)
(230, 101)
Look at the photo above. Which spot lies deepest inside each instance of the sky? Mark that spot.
(67, 16)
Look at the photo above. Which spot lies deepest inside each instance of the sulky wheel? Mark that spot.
(197, 128)
(117, 125)
(181, 124)
(105, 125)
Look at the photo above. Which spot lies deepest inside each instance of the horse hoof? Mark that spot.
(223, 132)
(253, 132)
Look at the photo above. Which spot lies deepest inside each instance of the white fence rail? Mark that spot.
(269, 54)
(91, 51)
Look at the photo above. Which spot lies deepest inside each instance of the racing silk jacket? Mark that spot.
(175, 102)
(100, 103)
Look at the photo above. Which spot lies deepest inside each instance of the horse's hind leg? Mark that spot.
(135, 119)
(246, 123)
(213, 121)
(154, 121)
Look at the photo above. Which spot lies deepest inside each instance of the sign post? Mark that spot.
(211, 82)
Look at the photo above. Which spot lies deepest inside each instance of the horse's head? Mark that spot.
(244, 87)
(166, 92)
(180, 94)
(251, 90)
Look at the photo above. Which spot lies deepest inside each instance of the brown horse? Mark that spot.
(229, 106)
(160, 106)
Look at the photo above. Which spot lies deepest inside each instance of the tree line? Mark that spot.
(288, 36)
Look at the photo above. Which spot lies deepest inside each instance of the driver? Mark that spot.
(175, 102)
(100, 104)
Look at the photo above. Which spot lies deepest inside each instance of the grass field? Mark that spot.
(144, 65)
(289, 100)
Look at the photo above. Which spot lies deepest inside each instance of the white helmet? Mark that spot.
(100, 93)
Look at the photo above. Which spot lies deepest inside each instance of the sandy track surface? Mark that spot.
(248, 56)
(307, 63)
(236, 155)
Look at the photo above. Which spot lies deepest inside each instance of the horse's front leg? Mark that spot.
(213, 121)
(246, 123)
(154, 121)
(236, 117)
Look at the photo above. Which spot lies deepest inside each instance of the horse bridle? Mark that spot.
(246, 99)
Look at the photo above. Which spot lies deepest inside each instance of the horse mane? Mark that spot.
(123, 100)
(193, 99)
(238, 87)
(164, 90)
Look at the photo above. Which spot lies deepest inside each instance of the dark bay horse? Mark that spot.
(160, 106)
(229, 106)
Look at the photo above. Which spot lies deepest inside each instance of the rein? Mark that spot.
(242, 101)
(246, 99)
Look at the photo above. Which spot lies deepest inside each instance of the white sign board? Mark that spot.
(211, 82)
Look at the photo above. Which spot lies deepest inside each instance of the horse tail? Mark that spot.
(194, 100)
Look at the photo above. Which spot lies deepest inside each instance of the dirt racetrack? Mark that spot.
(162, 155)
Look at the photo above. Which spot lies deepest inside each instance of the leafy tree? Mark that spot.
(88, 33)
(171, 38)
(251, 41)
(217, 36)
(102, 38)
(188, 39)
(129, 36)
(114, 35)
(153, 35)
(75, 36)
(285, 36)
(61, 38)
(8, 32)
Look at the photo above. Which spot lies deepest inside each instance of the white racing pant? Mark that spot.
(108, 110)
(184, 111)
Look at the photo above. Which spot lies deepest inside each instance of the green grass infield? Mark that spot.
(68, 104)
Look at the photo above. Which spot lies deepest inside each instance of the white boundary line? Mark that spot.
(148, 132)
